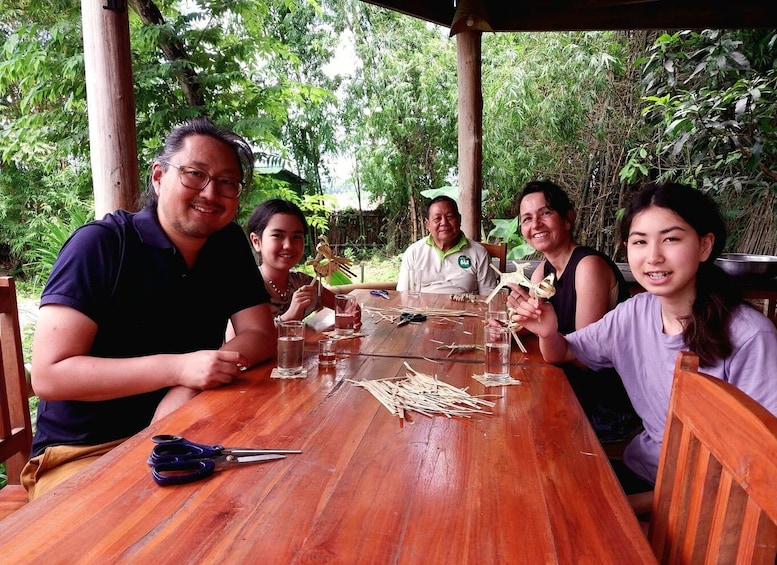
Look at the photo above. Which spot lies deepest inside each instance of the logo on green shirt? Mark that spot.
(464, 262)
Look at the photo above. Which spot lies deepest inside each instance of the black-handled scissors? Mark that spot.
(175, 460)
(407, 317)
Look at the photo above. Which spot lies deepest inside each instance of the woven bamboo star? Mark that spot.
(516, 278)
(543, 289)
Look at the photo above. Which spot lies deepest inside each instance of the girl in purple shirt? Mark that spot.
(672, 234)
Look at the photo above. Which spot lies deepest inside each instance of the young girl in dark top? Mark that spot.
(277, 230)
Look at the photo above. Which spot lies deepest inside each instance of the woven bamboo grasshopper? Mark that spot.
(543, 289)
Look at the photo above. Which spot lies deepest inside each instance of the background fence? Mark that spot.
(345, 230)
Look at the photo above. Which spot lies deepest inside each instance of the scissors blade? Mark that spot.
(242, 451)
(256, 458)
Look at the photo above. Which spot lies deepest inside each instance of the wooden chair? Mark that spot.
(15, 425)
(498, 251)
(716, 495)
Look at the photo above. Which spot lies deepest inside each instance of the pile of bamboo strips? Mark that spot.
(424, 394)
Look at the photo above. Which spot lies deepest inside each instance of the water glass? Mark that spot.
(414, 279)
(345, 314)
(499, 302)
(497, 346)
(291, 343)
(326, 353)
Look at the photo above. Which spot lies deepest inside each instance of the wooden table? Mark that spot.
(527, 484)
(463, 324)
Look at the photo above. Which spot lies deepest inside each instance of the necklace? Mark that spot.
(283, 295)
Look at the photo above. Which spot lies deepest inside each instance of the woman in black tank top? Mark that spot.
(588, 284)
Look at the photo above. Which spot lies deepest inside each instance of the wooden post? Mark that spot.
(468, 54)
(111, 106)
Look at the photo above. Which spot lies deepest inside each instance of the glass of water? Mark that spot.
(291, 343)
(414, 282)
(345, 314)
(497, 346)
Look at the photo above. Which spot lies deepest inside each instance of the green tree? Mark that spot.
(44, 170)
(309, 130)
(710, 99)
(400, 113)
(211, 59)
(559, 106)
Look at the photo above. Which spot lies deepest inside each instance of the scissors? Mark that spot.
(407, 317)
(381, 293)
(176, 460)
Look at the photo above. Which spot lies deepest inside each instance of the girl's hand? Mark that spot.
(537, 316)
(176, 397)
(301, 300)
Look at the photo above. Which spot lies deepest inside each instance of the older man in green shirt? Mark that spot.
(448, 260)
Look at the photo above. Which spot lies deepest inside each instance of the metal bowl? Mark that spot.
(747, 265)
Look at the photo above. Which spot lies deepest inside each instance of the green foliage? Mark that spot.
(449, 191)
(597, 112)
(400, 111)
(541, 119)
(228, 60)
(710, 99)
(45, 238)
(510, 232)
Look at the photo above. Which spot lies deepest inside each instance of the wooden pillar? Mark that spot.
(468, 55)
(111, 106)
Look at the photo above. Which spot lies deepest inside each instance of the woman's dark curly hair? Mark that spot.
(555, 196)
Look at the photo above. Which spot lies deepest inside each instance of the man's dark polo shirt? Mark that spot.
(124, 273)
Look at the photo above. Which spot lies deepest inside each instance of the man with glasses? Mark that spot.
(448, 260)
(132, 318)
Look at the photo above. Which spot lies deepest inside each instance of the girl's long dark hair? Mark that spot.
(706, 329)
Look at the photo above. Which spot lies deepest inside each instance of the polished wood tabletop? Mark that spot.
(448, 323)
(528, 483)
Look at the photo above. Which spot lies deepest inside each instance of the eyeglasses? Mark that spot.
(196, 179)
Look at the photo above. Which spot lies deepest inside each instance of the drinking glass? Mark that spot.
(326, 353)
(345, 314)
(291, 342)
(499, 302)
(497, 346)
(414, 279)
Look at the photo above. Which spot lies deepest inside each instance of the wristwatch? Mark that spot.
(277, 320)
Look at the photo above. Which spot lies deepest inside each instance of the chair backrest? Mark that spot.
(15, 426)
(716, 494)
(498, 251)
(377, 285)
